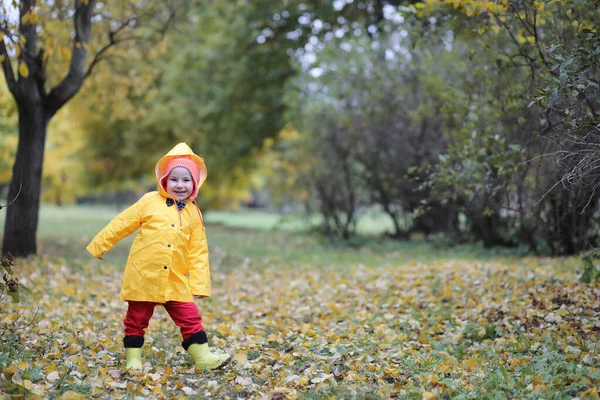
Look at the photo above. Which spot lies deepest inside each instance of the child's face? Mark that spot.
(180, 184)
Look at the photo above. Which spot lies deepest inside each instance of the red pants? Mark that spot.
(184, 314)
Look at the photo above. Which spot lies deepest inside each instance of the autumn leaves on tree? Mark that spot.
(446, 115)
(30, 53)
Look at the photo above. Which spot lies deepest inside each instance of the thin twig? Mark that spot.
(20, 187)
(549, 190)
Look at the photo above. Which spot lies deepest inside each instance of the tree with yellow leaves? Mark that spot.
(46, 53)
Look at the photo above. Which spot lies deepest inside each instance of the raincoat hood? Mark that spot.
(182, 152)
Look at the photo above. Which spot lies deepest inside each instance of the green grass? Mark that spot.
(258, 219)
(239, 235)
(371, 223)
(402, 318)
(65, 231)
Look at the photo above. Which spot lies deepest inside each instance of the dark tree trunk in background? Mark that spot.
(487, 227)
(22, 215)
(36, 107)
(570, 222)
(437, 218)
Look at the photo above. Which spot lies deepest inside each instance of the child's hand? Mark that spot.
(100, 258)
(199, 296)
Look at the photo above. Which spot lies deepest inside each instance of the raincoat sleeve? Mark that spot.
(198, 259)
(121, 226)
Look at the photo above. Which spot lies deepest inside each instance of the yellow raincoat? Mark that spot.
(170, 245)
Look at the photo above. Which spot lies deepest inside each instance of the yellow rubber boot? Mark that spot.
(134, 358)
(203, 358)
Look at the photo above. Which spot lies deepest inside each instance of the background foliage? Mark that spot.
(468, 119)
(471, 124)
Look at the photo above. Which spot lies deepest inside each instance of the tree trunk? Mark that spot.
(398, 232)
(36, 107)
(487, 228)
(22, 216)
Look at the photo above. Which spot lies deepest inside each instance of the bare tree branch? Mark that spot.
(538, 47)
(100, 55)
(70, 85)
(28, 31)
(7, 68)
(111, 42)
(13, 200)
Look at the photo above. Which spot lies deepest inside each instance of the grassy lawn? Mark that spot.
(306, 319)
(371, 223)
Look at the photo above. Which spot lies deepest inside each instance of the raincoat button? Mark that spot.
(165, 267)
(169, 245)
(172, 224)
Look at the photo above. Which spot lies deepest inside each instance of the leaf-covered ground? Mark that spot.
(308, 321)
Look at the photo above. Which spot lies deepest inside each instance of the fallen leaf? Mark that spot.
(52, 376)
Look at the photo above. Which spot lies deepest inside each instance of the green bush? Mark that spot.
(591, 269)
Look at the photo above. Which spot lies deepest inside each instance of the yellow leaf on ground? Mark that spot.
(10, 370)
(240, 358)
(470, 362)
(27, 384)
(590, 393)
(52, 376)
(284, 393)
(72, 395)
(16, 379)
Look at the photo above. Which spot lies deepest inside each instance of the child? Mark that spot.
(170, 245)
